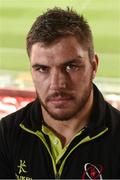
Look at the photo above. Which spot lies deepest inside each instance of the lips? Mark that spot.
(60, 100)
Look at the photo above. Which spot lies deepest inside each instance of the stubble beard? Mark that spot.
(66, 116)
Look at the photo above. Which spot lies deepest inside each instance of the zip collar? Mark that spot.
(84, 139)
(33, 116)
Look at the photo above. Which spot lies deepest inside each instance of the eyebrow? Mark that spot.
(73, 60)
(39, 65)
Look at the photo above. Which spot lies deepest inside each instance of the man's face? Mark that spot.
(62, 75)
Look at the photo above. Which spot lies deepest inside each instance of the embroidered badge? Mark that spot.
(22, 166)
(22, 170)
(92, 172)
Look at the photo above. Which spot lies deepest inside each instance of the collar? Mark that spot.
(98, 119)
(33, 116)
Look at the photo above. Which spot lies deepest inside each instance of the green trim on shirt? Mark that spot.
(55, 156)
(57, 150)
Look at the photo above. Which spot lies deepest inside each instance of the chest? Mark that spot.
(96, 158)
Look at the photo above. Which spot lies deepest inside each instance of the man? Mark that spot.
(69, 131)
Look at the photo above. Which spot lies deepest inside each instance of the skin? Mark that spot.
(62, 74)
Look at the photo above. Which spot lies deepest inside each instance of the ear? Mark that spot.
(95, 64)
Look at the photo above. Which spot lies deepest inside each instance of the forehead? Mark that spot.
(60, 51)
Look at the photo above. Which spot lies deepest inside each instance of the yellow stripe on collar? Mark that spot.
(57, 150)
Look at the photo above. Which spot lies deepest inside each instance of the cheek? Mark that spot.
(40, 89)
(87, 73)
(41, 84)
(82, 79)
(36, 80)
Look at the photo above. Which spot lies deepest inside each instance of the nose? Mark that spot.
(57, 80)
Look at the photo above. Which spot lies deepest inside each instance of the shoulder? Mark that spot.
(113, 112)
(113, 118)
(14, 119)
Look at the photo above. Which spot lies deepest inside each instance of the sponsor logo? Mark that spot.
(92, 172)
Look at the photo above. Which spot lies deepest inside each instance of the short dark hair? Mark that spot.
(56, 23)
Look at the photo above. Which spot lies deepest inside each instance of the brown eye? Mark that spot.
(72, 67)
(42, 69)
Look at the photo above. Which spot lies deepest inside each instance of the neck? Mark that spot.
(66, 130)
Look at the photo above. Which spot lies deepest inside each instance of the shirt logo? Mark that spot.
(22, 171)
(22, 167)
(92, 172)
